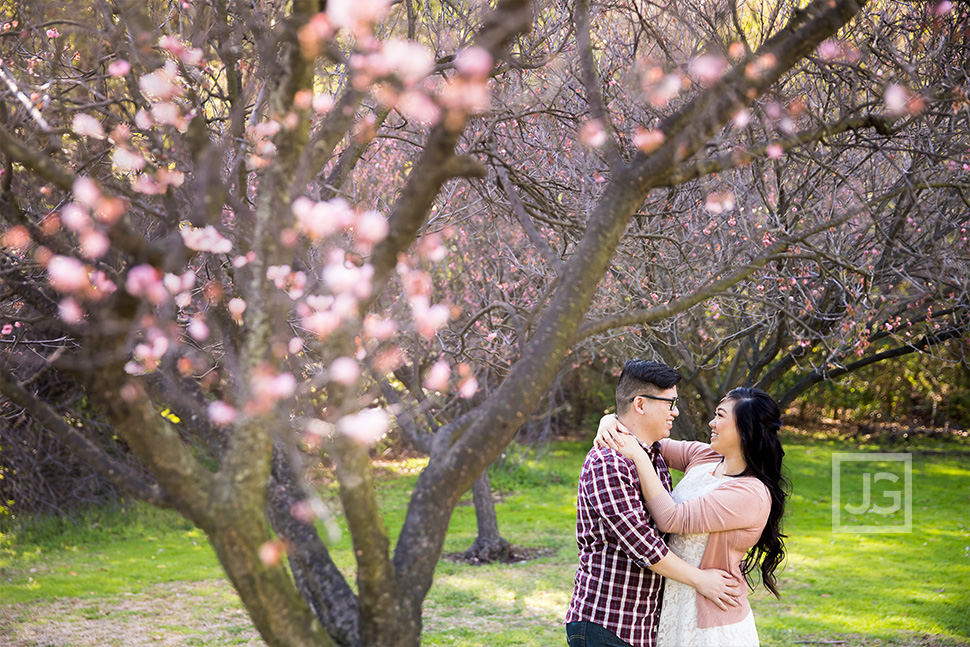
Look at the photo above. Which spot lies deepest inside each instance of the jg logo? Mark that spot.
(872, 492)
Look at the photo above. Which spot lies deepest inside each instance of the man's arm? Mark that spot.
(714, 584)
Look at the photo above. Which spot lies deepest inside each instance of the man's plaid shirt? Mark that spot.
(617, 542)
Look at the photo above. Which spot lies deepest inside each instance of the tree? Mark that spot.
(260, 217)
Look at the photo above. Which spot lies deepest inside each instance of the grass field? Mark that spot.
(144, 577)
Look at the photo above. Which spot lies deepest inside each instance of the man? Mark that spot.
(622, 557)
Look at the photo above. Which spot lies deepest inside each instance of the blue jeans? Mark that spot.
(588, 634)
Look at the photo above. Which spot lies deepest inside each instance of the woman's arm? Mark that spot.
(739, 503)
(625, 443)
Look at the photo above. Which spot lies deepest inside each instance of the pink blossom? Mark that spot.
(340, 276)
(774, 151)
(67, 274)
(389, 359)
(648, 140)
(126, 160)
(661, 93)
(205, 239)
(371, 228)
(145, 281)
(145, 184)
(87, 126)
(896, 99)
(418, 106)
(322, 103)
(222, 414)
(7, 329)
(829, 50)
(266, 129)
(16, 238)
(411, 61)
(942, 8)
(465, 95)
(380, 329)
(119, 67)
(102, 283)
(149, 354)
(431, 247)
(741, 119)
(356, 15)
(86, 192)
(169, 114)
(592, 134)
(416, 282)
(365, 427)
(94, 244)
(321, 323)
(468, 387)
(429, 319)
(268, 388)
(162, 84)
(70, 311)
(198, 329)
(295, 346)
(344, 370)
(474, 62)
(75, 218)
(271, 553)
(144, 119)
(242, 261)
(52, 32)
(437, 377)
(236, 307)
(707, 68)
(323, 218)
(186, 54)
(169, 177)
(175, 283)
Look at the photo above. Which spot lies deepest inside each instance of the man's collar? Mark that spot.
(651, 448)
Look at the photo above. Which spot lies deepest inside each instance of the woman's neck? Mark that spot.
(734, 465)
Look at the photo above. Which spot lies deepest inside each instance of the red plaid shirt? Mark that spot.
(617, 542)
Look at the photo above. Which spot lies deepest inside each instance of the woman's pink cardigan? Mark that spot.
(734, 513)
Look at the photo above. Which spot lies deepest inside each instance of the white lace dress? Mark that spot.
(678, 614)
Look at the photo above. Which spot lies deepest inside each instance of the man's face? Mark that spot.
(656, 413)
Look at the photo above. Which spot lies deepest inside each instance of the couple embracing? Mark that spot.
(632, 588)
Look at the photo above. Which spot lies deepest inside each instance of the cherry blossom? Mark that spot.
(438, 376)
(87, 126)
(205, 239)
(236, 307)
(126, 160)
(119, 67)
(366, 427)
(474, 62)
(222, 414)
(146, 281)
(162, 84)
(344, 370)
(86, 192)
(648, 140)
(67, 274)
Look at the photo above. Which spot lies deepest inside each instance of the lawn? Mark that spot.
(139, 576)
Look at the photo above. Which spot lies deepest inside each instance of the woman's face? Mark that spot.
(725, 439)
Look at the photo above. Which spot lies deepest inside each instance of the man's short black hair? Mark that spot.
(643, 376)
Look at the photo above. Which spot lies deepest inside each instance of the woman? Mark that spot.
(728, 504)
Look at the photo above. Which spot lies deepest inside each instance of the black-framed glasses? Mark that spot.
(672, 401)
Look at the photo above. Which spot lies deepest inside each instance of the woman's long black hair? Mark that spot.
(758, 419)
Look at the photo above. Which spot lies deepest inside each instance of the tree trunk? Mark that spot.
(489, 546)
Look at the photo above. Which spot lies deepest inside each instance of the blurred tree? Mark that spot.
(288, 226)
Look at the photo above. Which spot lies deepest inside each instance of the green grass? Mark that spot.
(864, 589)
